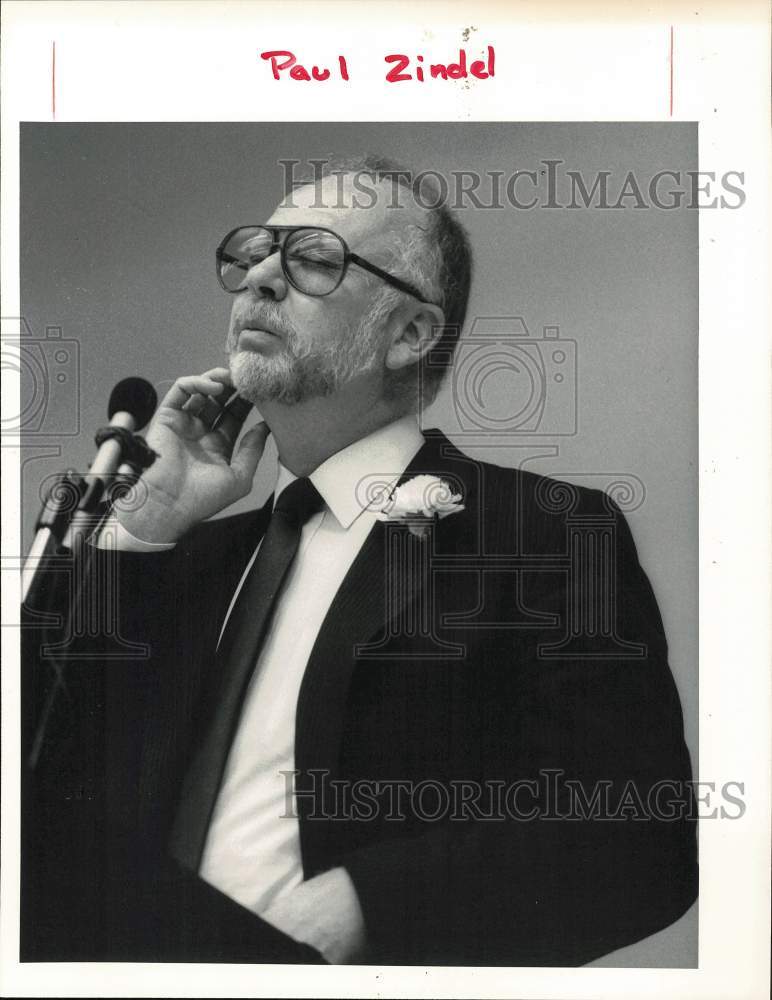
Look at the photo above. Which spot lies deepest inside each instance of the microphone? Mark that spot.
(134, 396)
(131, 405)
(69, 510)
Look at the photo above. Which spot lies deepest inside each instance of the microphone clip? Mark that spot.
(134, 448)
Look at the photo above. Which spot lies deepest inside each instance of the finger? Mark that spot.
(195, 403)
(188, 385)
(221, 372)
(220, 375)
(249, 453)
(184, 425)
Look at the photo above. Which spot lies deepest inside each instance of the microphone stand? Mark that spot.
(73, 507)
(67, 515)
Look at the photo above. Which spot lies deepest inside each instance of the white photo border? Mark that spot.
(167, 61)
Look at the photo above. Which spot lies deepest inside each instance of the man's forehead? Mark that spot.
(365, 213)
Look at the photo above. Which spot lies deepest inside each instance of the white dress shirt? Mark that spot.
(252, 850)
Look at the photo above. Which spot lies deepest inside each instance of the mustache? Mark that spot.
(263, 315)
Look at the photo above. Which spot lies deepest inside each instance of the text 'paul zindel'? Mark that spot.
(284, 65)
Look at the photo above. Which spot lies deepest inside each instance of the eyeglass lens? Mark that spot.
(314, 259)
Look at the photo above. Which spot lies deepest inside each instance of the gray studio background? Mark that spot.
(118, 229)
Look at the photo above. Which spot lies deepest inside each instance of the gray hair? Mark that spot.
(436, 259)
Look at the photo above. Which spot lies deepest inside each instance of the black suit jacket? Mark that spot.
(482, 724)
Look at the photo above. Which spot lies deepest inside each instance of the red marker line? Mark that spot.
(671, 70)
(53, 80)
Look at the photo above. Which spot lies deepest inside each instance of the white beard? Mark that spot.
(295, 375)
(283, 378)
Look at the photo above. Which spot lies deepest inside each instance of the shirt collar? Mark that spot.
(350, 480)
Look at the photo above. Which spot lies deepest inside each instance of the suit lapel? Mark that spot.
(382, 598)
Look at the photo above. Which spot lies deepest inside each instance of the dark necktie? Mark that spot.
(235, 663)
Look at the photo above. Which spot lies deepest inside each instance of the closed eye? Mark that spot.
(316, 250)
(227, 258)
(317, 257)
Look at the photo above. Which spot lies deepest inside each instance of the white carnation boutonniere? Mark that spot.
(419, 502)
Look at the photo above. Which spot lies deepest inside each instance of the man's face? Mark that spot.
(287, 346)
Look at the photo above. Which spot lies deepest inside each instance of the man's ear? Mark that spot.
(414, 333)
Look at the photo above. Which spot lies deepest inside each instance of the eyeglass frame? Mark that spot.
(349, 257)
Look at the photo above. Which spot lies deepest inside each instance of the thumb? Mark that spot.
(250, 451)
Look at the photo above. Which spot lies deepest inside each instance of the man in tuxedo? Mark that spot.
(329, 732)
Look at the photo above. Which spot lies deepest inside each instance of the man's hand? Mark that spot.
(323, 912)
(194, 476)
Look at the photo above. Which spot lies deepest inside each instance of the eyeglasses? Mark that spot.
(313, 260)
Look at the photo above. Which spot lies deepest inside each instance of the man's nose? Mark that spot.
(266, 279)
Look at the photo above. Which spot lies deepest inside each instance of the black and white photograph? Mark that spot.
(441, 725)
(359, 541)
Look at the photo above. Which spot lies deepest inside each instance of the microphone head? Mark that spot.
(135, 396)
